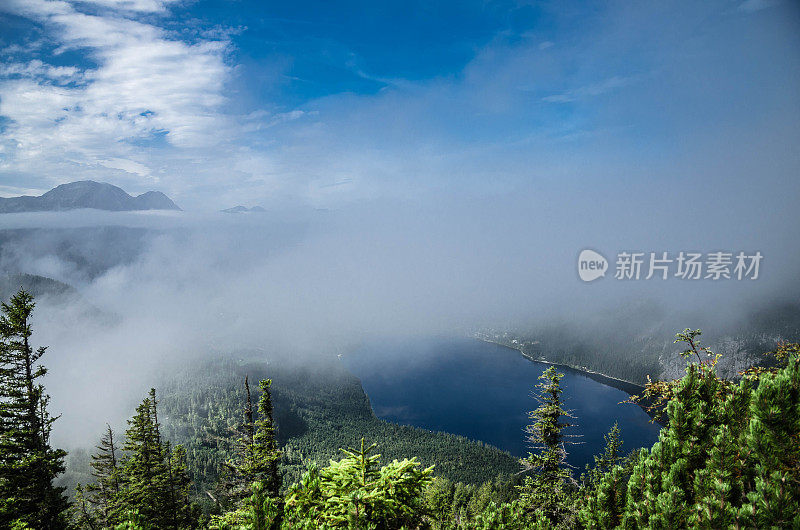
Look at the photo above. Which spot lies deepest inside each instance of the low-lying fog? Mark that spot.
(305, 282)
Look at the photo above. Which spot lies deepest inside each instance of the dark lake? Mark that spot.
(483, 391)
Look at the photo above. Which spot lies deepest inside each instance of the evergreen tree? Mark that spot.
(551, 487)
(234, 480)
(603, 486)
(663, 489)
(356, 492)
(258, 512)
(266, 456)
(152, 477)
(184, 511)
(439, 501)
(84, 514)
(104, 492)
(607, 460)
(143, 465)
(604, 504)
(28, 464)
(772, 441)
(257, 456)
(730, 456)
(718, 488)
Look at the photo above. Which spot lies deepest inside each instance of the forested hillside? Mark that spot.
(633, 343)
(318, 410)
(38, 286)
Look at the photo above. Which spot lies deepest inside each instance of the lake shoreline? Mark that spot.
(632, 389)
(482, 391)
(628, 387)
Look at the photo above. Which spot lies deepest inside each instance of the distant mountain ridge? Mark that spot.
(243, 209)
(87, 194)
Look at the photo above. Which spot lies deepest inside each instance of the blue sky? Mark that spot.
(223, 102)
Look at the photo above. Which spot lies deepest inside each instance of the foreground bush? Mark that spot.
(730, 457)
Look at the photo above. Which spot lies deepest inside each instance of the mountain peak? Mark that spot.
(87, 194)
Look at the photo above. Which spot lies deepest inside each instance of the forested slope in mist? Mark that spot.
(728, 456)
(319, 409)
(632, 343)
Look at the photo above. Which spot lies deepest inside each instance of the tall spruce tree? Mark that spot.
(185, 510)
(84, 512)
(153, 478)
(606, 461)
(28, 464)
(550, 487)
(266, 456)
(256, 456)
(100, 500)
(143, 465)
(234, 481)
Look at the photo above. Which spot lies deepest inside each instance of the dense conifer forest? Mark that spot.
(257, 446)
(318, 410)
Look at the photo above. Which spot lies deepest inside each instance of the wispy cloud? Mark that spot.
(588, 91)
(751, 6)
(126, 165)
(135, 5)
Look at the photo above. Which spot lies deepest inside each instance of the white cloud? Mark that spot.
(15, 191)
(135, 5)
(38, 70)
(147, 87)
(126, 165)
(36, 8)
